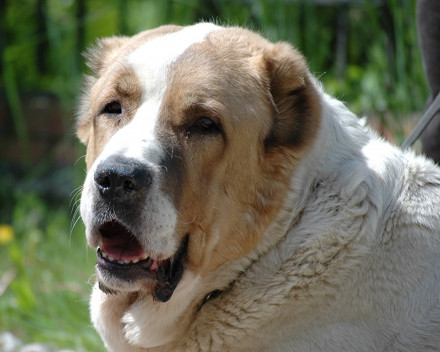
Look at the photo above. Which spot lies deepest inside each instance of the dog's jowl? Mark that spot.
(234, 206)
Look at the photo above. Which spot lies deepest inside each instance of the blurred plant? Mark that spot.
(6, 234)
(44, 275)
(366, 51)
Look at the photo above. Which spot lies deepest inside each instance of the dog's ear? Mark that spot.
(103, 52)
(97, 57)
(294, 95)
(84, 119)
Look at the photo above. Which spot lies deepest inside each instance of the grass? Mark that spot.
(51, 276)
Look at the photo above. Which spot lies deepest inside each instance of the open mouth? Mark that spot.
(122, 256)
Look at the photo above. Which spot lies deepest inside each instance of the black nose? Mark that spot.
(122, 179)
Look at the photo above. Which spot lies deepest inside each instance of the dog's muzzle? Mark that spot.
(122, 187)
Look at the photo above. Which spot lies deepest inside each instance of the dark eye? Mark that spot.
(204, 125)
(113, 108)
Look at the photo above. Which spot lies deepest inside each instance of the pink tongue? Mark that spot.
(121, 248)
(119, 243)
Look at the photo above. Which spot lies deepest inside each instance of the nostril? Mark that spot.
(103, 181)
(122, 180)
(130, 185)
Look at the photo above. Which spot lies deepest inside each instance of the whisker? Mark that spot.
(79, 188)
(75, 202)
(72, 226)
(75, 207)
(75, 219)
(74, 197)
(77, 160)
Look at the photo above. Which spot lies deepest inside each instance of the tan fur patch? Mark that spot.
(242, 217)
(112, 80)
(231, 188)
(234, 186)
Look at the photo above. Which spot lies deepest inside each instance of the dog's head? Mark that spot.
(192, 137)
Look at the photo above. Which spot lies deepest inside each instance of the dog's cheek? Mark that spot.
(174, 170)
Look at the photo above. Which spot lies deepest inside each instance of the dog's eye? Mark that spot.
(204, 125)
(113, 108)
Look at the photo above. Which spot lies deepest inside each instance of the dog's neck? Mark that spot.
(302, 256)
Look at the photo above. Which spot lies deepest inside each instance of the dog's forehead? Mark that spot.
(152, 59)
(150, 63)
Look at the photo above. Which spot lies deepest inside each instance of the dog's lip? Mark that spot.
(121, 255)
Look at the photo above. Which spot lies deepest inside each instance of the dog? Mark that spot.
(235, 206)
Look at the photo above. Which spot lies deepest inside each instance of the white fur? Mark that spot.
(137, 140)
(350, 264)
(146, 323)
(158, 326)
(358, 269)
(152, 60)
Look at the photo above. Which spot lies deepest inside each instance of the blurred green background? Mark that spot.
(365, 53)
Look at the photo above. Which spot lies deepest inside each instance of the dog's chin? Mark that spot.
(124, 266)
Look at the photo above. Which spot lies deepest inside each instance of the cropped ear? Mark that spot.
(295, 97)
(83, 113)
(103, 52)
(97, 58)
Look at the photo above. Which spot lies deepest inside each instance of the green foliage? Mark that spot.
(381, 43)
(380, 72)
(46, 301)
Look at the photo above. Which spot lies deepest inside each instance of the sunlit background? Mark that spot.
(365, 53)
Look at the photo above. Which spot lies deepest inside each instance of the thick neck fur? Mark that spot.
(326, 258)
(316, 271)
(307, 257)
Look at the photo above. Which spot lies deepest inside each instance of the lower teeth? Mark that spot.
(123, 262)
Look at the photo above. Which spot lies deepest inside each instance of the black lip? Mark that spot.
(165, 278)
(143, 264)
(126, 272)
(169, 279)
